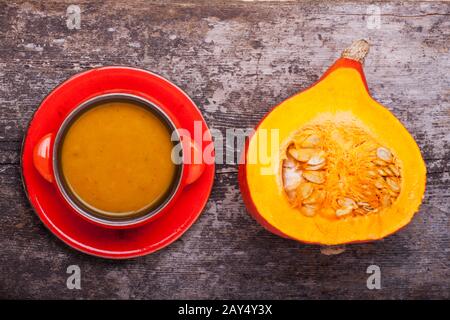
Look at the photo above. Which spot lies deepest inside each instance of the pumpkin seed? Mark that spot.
(388, 171)
(386, 200)
(309, 210)
(291, 195)
(384, 154)
(392, 193)
(393, 184)
(379, 162)
(344, 211)
(310, 200)
(305, 190)
(315, 160)
(347, 202)
(301, 155)
(314, 176)
(379, 184)
(394, 170)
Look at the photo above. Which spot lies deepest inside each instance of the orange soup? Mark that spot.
(116, 158)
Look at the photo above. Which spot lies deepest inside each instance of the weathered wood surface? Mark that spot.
(236, 60)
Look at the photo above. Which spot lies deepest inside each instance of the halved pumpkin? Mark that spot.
(331, 165)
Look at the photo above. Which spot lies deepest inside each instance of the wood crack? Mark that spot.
(397, 15)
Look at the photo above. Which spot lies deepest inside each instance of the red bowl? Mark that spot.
(56, 213)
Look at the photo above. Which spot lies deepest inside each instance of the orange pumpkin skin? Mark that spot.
(245, 193)
(341, 63)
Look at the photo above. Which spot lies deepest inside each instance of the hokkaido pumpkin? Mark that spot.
(331, 165)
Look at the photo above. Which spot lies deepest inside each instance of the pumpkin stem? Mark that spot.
(357, 51)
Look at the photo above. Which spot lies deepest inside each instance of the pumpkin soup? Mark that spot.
(116, 158)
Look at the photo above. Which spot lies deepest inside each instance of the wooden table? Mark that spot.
(236, 59)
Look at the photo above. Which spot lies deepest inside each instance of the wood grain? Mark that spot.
(236, 60)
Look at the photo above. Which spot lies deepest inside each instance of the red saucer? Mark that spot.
(51, 208)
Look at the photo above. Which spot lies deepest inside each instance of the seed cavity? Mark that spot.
(339, 169)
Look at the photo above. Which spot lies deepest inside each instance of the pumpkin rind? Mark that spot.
(341, 94)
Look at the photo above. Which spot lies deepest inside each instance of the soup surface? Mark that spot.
(116, 158)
